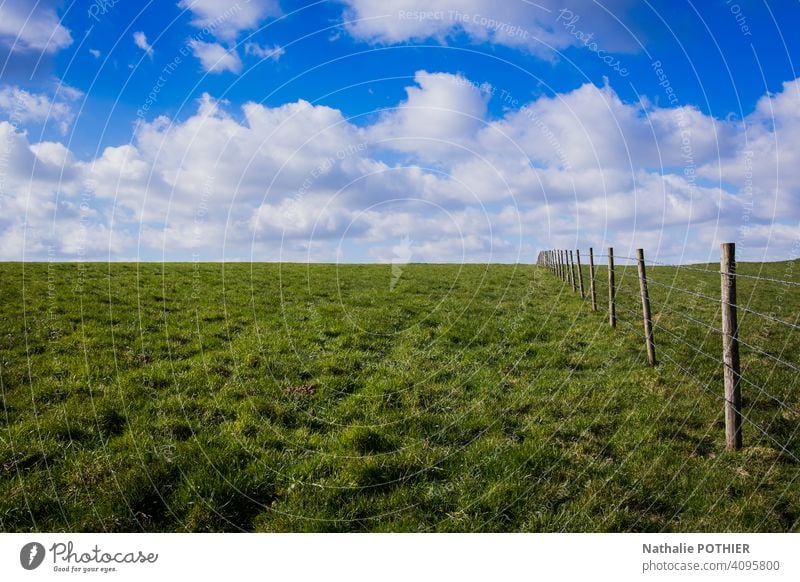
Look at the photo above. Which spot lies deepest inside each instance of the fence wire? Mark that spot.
(624, 296)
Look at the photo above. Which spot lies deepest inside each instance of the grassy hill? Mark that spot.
(314, 398)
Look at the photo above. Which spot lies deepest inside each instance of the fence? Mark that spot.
(567, 266)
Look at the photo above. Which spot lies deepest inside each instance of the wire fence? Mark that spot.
(737, 344)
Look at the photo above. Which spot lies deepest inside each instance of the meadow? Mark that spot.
(267, 397)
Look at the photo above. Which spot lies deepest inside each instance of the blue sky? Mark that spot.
(468, 130)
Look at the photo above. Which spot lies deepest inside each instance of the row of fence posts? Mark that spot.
(562, 263)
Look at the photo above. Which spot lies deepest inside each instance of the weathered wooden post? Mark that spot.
(580, 272)
(556, 268)
(593, 289)
(612, 309)
(572, 271)
(648, 322)
(558, 262)
(730, 348)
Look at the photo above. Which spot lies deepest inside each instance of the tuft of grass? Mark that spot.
(266, 397)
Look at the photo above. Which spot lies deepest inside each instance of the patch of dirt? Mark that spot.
(302, 390)
(141, 358)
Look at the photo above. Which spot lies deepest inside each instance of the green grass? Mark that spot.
(215, 397)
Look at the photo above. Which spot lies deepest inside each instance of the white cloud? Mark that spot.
(95, 53)
(603, 142)
(766, 160)
(215, 58)
(32, 177)
(538, 27)
(140, 39)
(264, 52)
(32, 26)
(441, 110)
(311, 217)
(301, 181)
(21, 106)
(226, 20)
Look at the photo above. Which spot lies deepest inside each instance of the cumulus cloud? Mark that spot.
(21, 106)
(766, 161)
(32, 177)
(226, 20)
(215, 58)
(538, 27)
(311, 217)
(301, 181)
(32, 26)
(440, 110)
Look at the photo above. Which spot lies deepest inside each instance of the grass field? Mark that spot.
(313, 398)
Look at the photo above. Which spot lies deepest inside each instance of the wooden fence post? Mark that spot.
(612, 310)
(592, 290)
(648, 322)
(563, 270)
(558, 262)
(730, 348)
(572, 270)
(580, 272)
